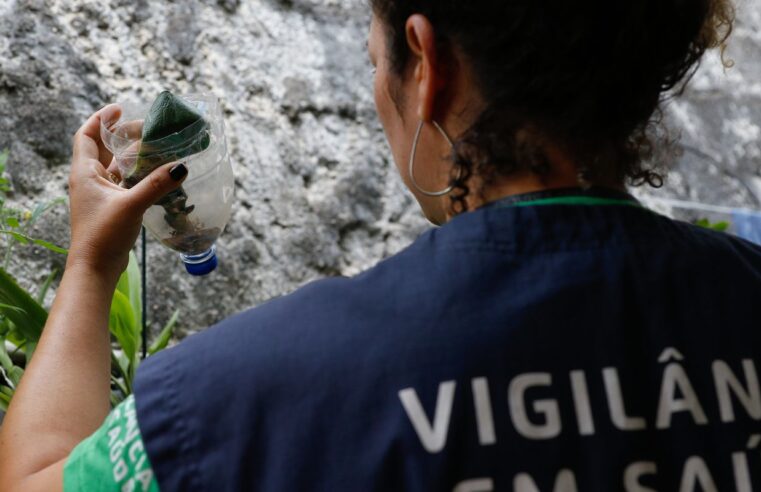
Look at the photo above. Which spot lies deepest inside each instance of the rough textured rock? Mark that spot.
(316, 192)
(719, 121)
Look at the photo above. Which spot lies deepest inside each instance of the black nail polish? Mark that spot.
(178, 172)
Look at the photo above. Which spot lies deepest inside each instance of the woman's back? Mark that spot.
(570, 342)
(539, 347)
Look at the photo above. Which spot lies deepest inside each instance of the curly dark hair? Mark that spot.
(588, 76)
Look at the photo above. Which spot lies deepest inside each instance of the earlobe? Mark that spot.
(424, 111)
(419, 71)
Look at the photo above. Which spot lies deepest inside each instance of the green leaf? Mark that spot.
(115, 399)
(720, 226)
(6, 394)
(15, 375)
(122, 323)
(129, 284)
(3, 307)
(5, 359)
(5, 400)
(120, 385)
(127, 305)
(13, 335)
(16, 235)
(29, 349)
(28, 316)
(24, 239)
(46, 286)
(166, 333)
(52, 247)
(12, 222)
(125, 371)
(43, 207)
(120, 362)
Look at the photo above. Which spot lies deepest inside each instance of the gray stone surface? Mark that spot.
(316, 191)
(719, 122)
(316, 194)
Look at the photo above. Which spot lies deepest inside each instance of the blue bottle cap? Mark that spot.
(203, 268)
(201, 264)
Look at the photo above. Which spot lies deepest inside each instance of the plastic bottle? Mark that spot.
(190, 219)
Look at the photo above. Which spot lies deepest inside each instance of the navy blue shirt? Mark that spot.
(536, 347)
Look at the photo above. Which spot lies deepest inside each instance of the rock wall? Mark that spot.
(316, 191)
(719, 121)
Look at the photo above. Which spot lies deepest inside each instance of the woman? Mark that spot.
(551, 335)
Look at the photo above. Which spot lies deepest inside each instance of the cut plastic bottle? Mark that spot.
(189, 130)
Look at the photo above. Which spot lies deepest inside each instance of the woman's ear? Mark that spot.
(421, 39)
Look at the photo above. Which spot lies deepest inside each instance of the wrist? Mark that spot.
(107, 275)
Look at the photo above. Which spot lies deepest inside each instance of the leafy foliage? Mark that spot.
(718, 226)
(125, 326)
(15, 223)
(23, 316)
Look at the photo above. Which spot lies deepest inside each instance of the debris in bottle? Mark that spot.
(193, 242)
(172, 130)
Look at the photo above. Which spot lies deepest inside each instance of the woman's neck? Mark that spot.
(563, 174)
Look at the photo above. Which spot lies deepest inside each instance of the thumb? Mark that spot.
(157, 184)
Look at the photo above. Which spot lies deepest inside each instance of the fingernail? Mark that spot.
(178, 172)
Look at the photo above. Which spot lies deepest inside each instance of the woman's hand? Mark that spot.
(105, 218)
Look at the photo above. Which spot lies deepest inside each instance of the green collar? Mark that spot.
(567, 196)
(578, 200)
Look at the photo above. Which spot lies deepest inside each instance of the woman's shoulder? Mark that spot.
(324, 308)
(323, 329)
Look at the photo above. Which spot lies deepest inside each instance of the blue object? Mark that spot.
(505, 347)
(747, 225)
(201, 264)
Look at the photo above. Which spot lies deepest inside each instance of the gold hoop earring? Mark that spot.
(412, 161)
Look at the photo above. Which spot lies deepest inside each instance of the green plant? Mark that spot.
(15, 223)
(124, 323)
(21, 325)
(23, 316)
(718, 226)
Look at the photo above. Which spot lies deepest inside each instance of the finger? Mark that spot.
(109, 116)
(87, 141)
(157, 184)
(114, 173)
(133, 148)
(131, 130)
(125, 162)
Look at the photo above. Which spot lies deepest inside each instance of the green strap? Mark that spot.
(578, 200)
